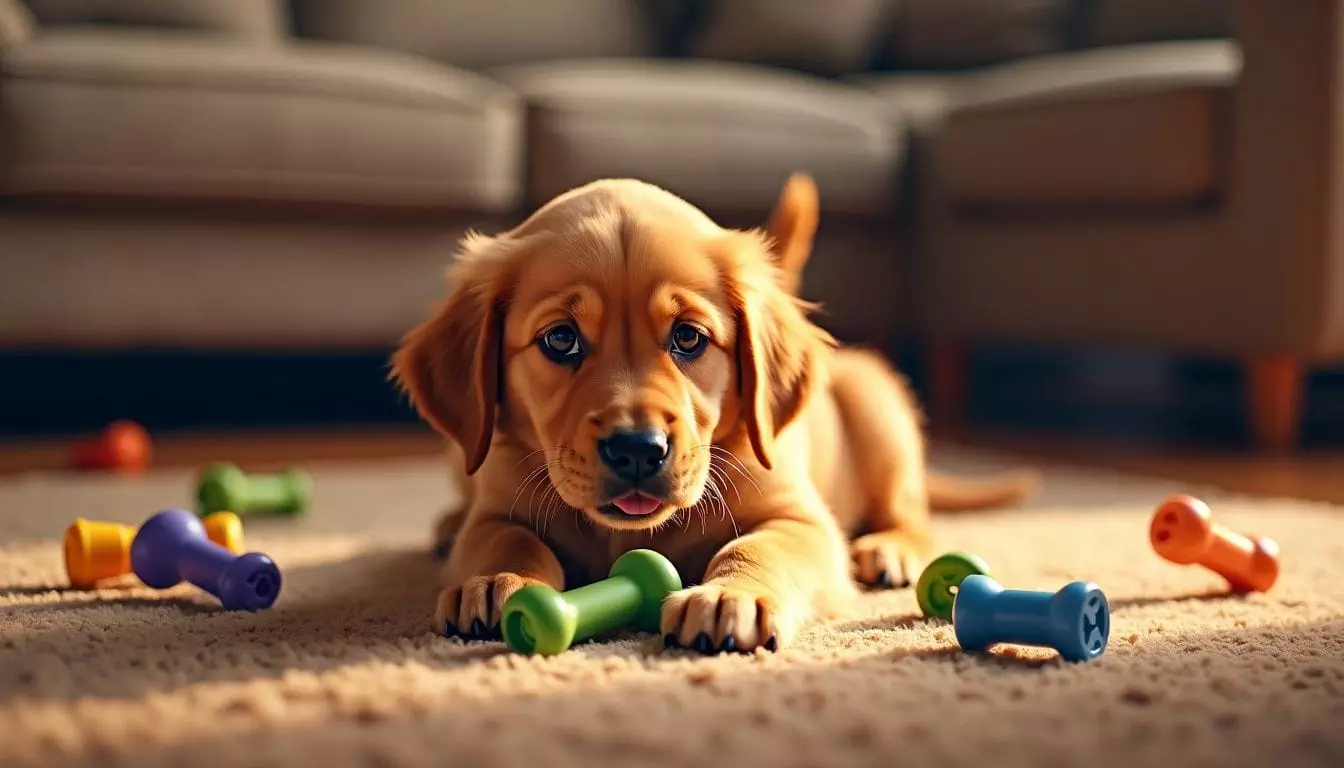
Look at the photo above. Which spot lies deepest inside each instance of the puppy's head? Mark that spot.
(625, 338)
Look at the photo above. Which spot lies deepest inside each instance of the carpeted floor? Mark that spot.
(344, 672)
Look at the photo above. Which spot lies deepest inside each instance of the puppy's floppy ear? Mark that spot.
(780, 352)
(793, 227)
(451, 364)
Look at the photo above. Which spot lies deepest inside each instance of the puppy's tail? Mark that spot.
(948, 493)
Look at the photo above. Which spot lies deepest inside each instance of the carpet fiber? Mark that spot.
(343, 671)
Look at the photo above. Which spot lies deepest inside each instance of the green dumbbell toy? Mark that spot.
(538, 619)
(937, 585)
(223, 486)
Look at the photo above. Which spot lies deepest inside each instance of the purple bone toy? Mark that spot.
(172, 547)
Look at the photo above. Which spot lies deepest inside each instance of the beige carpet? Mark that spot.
(343, 671)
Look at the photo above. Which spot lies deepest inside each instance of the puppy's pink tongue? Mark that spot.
(636, 504)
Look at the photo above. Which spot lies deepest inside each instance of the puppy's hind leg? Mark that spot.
(882, 425)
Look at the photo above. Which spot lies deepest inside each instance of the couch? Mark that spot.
(259, 174)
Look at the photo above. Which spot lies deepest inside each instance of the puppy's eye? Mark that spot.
(562, 344)
(688, 341)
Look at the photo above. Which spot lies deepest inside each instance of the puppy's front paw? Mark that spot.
(471, 611)
(887, 559)
(713, 618)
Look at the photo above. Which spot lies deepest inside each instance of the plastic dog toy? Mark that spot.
(538, 619)
(95, 551)
(123, 446)
(1076, 620)
(937, 586)
(225, 486)
(171, 547)
(1183, 532)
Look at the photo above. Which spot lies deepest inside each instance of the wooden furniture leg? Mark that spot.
(1275, 387)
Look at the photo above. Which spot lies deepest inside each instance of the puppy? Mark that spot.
(619, 371)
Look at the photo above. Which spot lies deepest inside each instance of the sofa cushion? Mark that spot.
(183, 116)
(1135, 124)
(831, 38)
(1120, 22)
(475, 34)
(956, 34)
(921, 101)
(257, 19)
(724, 135)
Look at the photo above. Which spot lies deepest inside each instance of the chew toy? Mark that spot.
(1183, 532)
(938, 584)
(225, 486)
(95, 550)
(1076, 620)
(122, 446)
(538, 619)
(171, 547)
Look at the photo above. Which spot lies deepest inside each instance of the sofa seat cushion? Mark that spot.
(723, 135)
(921, 101)
(184, 116)
(1139, 124)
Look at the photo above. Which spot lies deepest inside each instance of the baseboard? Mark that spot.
(56, 392)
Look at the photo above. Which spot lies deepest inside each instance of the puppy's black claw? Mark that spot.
(703, 644)
(728, 645)
(772, 644)
(884, 579)
(449, 629)
(669, 640)
(478, 630)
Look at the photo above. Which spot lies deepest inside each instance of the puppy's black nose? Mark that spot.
(633, 455)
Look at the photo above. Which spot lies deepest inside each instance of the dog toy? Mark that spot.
(96, 550)
(1183, 532)
(225, 486)
(171, 547)
(122, 446)
(538, 619)
(1076, 620)
(937, 586)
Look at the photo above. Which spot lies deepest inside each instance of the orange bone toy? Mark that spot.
(1183, 532)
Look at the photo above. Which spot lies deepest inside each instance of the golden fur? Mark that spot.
(796, 467)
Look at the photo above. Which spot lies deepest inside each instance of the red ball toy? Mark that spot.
(123, 446)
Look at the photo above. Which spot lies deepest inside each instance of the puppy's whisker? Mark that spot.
(557, 503)
(535, 475)
(731, 459)
(727, 508)
(531, 476)
(528, 456)
(562, 449)
(721, 477)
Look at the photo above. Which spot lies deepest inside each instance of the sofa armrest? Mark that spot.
(262, 20)
(1286, 231)
(16, 23)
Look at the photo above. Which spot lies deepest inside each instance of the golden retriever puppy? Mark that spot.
(619, 371)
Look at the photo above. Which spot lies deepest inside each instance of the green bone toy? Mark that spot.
(223, 486)
(935, 590)
(538, 619)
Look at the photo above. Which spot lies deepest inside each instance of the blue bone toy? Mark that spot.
(1076, 620)
(172, 547)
